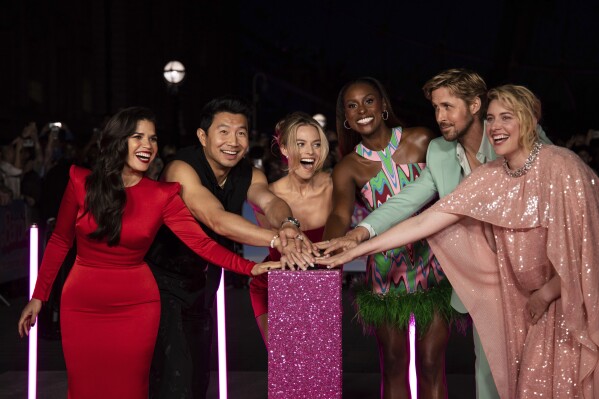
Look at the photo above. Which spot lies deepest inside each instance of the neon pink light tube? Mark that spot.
(413, 378)
(222, 338)
(32, 375)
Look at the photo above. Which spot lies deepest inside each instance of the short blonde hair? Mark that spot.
(525, 105)
(286, 135)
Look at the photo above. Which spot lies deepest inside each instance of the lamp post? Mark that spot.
(174, 73)
(258, 78)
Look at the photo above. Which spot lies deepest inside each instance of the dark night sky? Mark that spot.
(550, 46)
(78, 61)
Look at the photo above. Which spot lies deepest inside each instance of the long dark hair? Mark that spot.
(105, 196)
(348, 138)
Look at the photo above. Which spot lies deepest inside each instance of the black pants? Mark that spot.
(181, 364)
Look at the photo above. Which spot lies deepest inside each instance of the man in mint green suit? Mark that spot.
(459, 99)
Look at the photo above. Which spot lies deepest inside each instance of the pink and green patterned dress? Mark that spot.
(403, 280)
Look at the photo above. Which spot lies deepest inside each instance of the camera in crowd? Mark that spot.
(27, 142)
(55, 128)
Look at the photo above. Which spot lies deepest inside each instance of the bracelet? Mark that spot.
(291, 220)
(272, 242)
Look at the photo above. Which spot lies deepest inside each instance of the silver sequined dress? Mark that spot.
(542, 223)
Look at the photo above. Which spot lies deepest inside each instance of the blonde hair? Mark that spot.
(525, 105)
(462, 83)
(286, 135)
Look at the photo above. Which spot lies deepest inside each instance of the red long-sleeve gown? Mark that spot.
(110, 307)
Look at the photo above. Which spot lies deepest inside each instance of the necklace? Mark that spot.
(527, 164)
(221, 185)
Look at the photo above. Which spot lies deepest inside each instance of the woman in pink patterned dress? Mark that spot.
(380, 158)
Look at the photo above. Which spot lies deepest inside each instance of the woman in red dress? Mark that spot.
(110, 307)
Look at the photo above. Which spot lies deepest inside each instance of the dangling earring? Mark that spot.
(385, 115)
(346, 125)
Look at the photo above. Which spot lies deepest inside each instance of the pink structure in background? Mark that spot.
(33, 258)
(304, 328)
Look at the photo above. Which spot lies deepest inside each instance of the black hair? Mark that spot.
(231, 104)
(347, 138)
(105, 196)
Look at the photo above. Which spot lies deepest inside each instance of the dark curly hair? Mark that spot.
(105, 196)
(347, 138)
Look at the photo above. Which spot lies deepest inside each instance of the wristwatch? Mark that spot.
(291, 220)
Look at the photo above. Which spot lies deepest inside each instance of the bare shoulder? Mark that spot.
(353, 171)
(417, 139)
(258, 177)
(418, 135)
(179, 171)
(259, 190)
(349, 164)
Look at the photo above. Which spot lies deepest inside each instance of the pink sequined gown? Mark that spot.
(544, 222)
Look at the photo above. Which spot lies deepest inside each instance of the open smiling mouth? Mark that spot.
(307, 162)
(500, 138)
(143, 156)
(365, 121)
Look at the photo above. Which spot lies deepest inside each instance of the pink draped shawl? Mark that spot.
(543, 223)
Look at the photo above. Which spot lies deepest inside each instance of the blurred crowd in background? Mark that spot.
(34, 165)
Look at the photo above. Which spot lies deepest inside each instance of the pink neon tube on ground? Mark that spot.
(32, 374)
(222, 338)
(413, 379)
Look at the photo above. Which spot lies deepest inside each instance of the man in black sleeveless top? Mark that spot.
(215, 180)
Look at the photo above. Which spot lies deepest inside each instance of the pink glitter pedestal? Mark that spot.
(304, 334)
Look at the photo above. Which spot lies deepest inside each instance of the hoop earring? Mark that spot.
(385, 115)
(346, 125)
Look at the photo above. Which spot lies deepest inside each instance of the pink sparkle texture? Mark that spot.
(304, 325)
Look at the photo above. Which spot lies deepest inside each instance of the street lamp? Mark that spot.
(174, 73)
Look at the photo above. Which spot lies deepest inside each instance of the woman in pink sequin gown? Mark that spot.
(518, 240)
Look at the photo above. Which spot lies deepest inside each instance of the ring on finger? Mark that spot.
(299, 237)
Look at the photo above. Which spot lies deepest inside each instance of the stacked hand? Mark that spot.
(332, 261)
(337, 251)
(265, 267)
(351, 240)
(296, 249)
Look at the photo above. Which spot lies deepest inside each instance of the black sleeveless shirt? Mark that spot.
(178, 270)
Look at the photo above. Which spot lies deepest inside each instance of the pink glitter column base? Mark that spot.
(304, 328)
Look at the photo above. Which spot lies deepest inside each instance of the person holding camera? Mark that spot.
(11, 166)
(23, 153)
